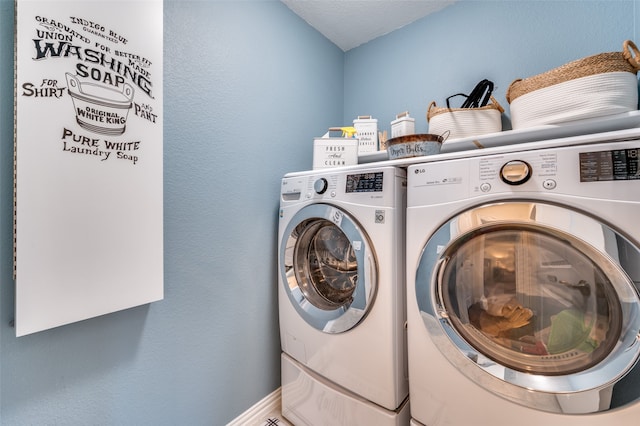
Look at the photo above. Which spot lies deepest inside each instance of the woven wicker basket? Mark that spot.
(591, 87)
(465, 122)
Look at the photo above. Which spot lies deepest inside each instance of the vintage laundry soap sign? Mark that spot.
(88, 156)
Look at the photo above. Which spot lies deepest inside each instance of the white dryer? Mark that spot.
(523, 270)
(341, 297)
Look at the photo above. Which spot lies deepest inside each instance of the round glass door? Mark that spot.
(529, 300)
(536, 295)
(328, 268)
(328, 271)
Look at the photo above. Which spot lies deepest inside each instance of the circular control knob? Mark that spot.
(515, 172)
(320, 186)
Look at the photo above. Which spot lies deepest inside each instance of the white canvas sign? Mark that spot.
(88, 145)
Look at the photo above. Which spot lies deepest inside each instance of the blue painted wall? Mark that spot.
(451, 50)
(247, 86)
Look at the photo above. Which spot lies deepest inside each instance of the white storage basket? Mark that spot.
(465, 122)
(586, 97)
(591, 87)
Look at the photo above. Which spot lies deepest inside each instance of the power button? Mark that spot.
(485, 187)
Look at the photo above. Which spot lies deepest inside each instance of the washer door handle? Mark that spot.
(439, 274)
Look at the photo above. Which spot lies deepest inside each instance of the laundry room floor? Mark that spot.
(266, 412)
(275, 419)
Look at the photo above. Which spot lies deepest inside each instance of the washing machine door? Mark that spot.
(328, 268)
(538, 297)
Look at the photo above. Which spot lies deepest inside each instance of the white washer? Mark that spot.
(341, 297)
(523, 271)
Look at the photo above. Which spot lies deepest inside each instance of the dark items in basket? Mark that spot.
(478, 97)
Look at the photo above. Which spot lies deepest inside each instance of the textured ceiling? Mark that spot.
(350, 23)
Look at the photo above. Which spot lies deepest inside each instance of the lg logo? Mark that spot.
(418, 171)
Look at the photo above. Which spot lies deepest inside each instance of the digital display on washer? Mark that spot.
(618, 164)
(365, 182)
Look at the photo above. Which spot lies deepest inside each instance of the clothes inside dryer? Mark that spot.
(525, 301)
(529, 299)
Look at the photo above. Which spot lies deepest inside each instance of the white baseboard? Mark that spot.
(255, 415)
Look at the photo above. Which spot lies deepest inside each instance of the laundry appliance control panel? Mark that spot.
(606, 170)
(371, 187)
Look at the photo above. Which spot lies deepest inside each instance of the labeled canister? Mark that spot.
(367, 133)
(403, 125)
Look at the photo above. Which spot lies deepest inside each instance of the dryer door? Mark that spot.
(535, 295)
(328, 268)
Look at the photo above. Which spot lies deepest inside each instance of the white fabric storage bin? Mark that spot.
(586, 97)
(465, 122)
(591, 87)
